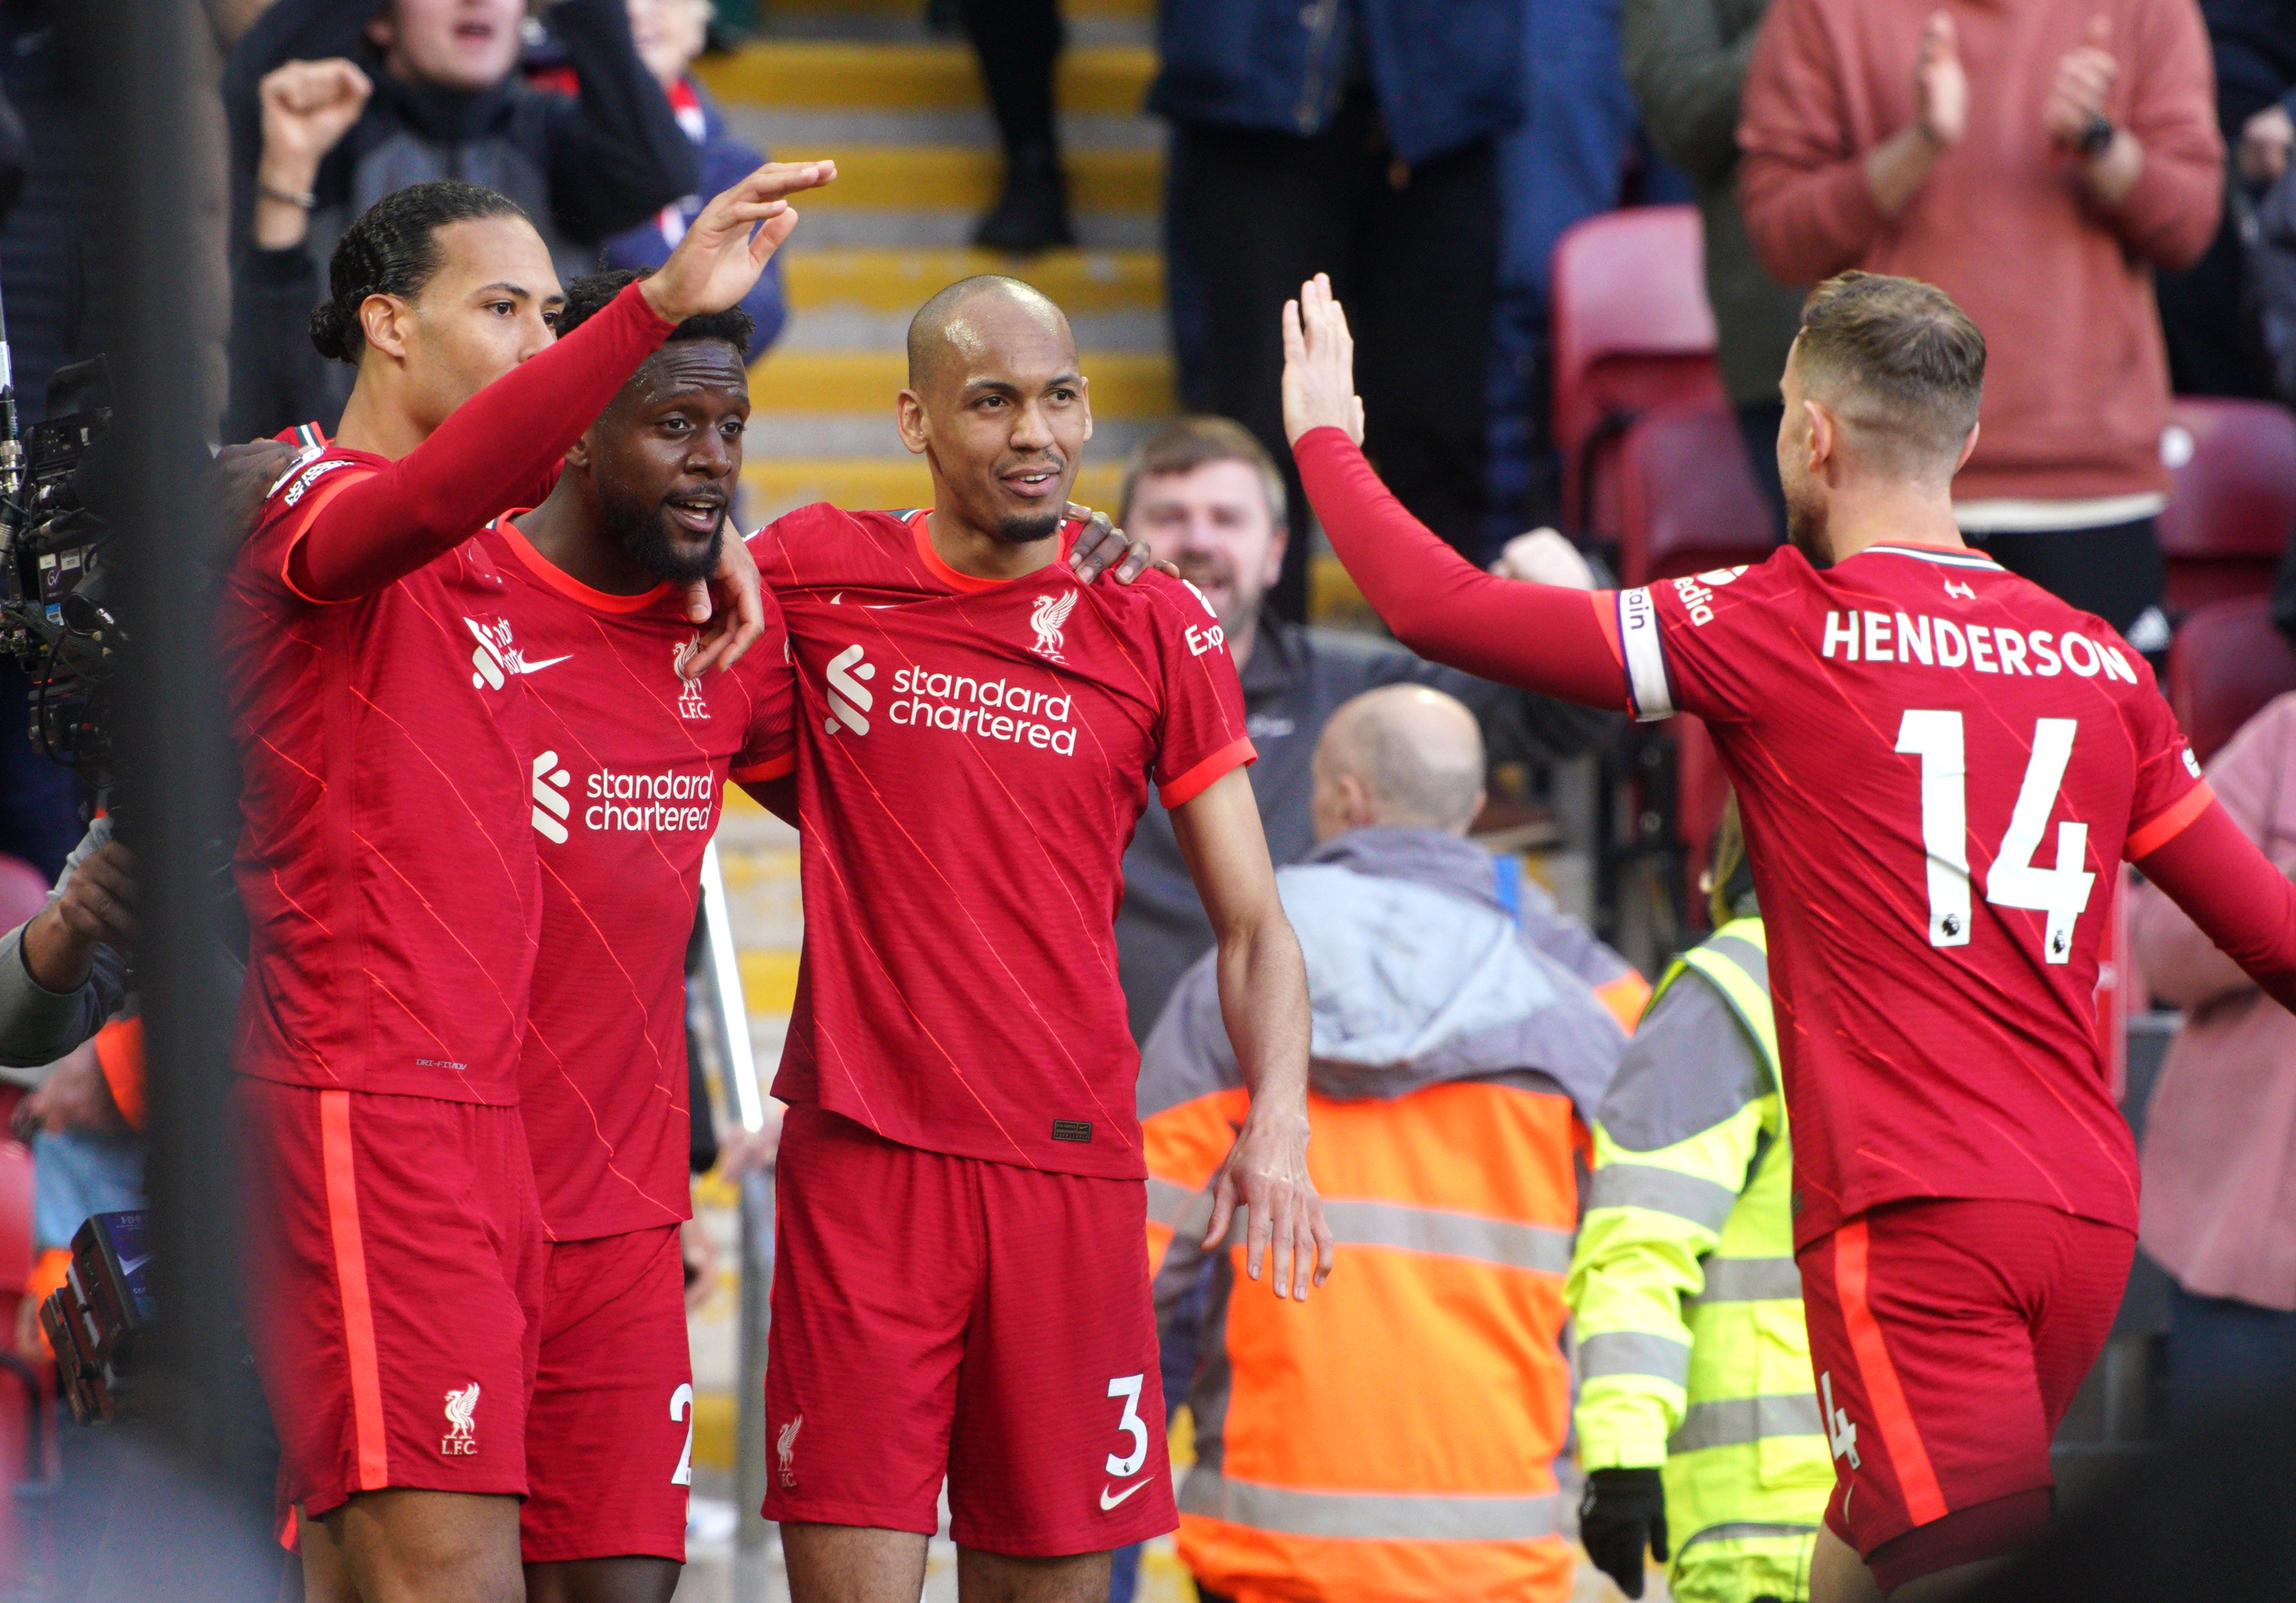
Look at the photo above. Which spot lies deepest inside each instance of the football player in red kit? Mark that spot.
(1940, 769)
(959, 1287)
(629, 759)
(389, 872)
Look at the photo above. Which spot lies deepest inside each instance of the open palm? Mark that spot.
(728, 245)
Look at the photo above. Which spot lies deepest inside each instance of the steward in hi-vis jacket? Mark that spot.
(1697, 1423)
(1393, 1439)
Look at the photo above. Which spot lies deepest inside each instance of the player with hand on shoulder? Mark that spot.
(1941, 768)
(389, 872)
(959, 1287)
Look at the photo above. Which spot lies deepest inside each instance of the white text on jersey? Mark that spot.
(1942, 643)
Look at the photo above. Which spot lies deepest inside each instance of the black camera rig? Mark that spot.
(96, 1320)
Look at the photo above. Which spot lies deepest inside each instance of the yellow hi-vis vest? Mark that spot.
(1693, 1350)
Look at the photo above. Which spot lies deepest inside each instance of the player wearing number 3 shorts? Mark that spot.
(961, 1274)
(1940, 769)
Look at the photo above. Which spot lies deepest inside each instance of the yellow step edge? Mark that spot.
(1109, 79)
(886, 483)
(716, 1423)
(936, 178)
(1124, 383)
(768, 979)
(892, 280)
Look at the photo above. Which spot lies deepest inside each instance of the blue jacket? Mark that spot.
(725, 161)
(1446, 72)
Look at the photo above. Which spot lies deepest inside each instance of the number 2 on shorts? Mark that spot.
(681, 1412)
(2061, 893)
(1127, 1386)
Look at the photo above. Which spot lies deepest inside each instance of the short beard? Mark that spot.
(652, 546)
(1805, 532)
(1026, 528)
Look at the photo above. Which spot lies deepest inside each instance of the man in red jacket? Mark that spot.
(2037, 163)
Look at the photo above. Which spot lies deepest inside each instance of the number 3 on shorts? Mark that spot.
(1127, 1386)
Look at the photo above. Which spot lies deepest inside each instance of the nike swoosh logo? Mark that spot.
(1108, 1502)
(526, 667)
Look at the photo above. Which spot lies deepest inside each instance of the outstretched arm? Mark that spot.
(387, 524)
(1263, 989)
(1541, 638)
(2234, 894)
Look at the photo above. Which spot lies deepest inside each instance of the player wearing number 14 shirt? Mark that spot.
(1941, 768)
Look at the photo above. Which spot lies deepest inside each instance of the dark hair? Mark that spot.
(1187, 444)
(592, 292)
(1908, 362)
(392, 249)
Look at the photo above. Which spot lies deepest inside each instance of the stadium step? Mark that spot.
(878, 75)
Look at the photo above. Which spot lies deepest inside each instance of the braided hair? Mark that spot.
(392, 249)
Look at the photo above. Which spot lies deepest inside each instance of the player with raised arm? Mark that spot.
(389, 872)
(1941, 768)
(960, 1286)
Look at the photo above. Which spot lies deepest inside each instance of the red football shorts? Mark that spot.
(396, 1247)
(1949, 1338)
(610, 1436)
(937, 1315)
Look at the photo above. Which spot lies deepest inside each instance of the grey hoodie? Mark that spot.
(1417, 975)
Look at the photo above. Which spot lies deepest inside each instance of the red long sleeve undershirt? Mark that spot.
(490, 450)
(1542, 637)
(1548, 639)
(2212, 870)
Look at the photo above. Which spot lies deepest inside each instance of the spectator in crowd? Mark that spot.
(2036, 163)
(2219, 1194)
(1019, 45)
(1687, 59)
(669, 36)
(1452, 1063)
(64, 971)
(1355, 138)
(1566, 160)
(1696, 1423)
(335, 104)
(2212, 344)
(1207, 497)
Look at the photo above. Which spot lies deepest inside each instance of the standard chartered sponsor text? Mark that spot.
(985, 709)
(669, 800)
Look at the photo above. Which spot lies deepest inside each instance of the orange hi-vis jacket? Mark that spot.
(1394, 1437)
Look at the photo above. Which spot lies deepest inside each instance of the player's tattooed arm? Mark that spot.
(1101, 546)
(1263, 991)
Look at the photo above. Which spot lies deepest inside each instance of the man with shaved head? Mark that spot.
(1453, 1061)
(959, 1290)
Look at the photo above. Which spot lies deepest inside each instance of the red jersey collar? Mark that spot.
(966, 583)
(550, 573)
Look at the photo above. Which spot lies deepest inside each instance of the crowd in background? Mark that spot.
(2117, 214)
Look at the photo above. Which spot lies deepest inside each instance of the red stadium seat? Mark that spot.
(1631, 331)
(2233, 498)
(1688, 501)
(2225, 662)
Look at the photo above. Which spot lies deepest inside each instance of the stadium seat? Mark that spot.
(1631, 331)
(2227, 662)
(23, 1387)
(2232, 496)
(1688, 501)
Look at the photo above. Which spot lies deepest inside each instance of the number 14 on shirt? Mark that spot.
(2061, 893)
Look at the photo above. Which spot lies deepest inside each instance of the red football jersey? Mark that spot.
(973, 757)
(1940, 767)
(386, 865)
(628, 764)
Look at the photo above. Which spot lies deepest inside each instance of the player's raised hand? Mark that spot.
(1319, 365)
(727, 247)
(1266, 1175)
(1100, 546)
(734, 596)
